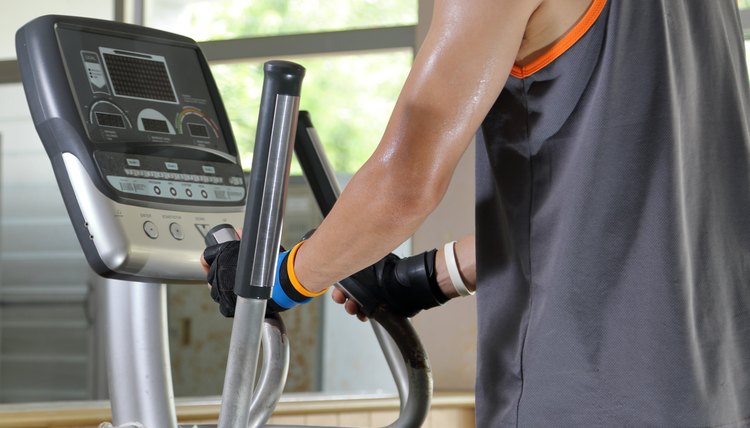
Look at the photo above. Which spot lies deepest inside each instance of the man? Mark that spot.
(613, 206)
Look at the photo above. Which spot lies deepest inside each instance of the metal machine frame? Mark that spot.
(132, 300)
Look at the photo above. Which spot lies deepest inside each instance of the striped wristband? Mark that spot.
(287, 290)
(452, 266)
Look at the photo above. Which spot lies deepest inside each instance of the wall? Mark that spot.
(45, 346)
(449, 332)
(16, 14)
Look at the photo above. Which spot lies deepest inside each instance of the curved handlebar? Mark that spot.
(273, 372)
(417, 401)
(272, 378)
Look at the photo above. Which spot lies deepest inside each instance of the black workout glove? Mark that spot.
(286, 293)
(401, 286)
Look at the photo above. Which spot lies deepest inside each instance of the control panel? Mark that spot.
(155, 129)
(139, 140)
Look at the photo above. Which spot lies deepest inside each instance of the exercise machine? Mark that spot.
(149, 171)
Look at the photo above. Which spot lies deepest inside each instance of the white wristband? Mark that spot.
(452, 266)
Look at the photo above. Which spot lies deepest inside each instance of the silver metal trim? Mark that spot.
(116, 231)
(274, 191)
(415, 407)
(242, 362)
(273, 372)
(395, 361)
(224, 235)
(239, 380)
(139, 374)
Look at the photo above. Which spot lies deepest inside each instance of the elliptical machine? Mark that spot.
(147, 165)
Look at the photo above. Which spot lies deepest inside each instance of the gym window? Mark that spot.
(357, 55)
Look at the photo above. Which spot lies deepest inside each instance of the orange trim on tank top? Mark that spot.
(562, 45)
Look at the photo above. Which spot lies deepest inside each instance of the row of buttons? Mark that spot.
(176, 189)
(153, 232)
(173, 176)
(188, 192)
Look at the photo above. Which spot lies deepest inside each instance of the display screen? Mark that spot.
(146, 78)
(157, 129)
(110, 120)
(135, 91)
(198, 130)
(155, 125)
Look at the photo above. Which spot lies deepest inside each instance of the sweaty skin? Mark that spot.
(457, 75)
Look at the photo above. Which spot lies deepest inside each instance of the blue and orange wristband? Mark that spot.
(288, 292)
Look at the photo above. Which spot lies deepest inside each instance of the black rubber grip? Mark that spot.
(283, 77)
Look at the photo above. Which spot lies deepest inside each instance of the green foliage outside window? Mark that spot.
(227, 19)
(349, 97)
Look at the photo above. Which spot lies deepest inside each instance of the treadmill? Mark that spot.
(145, 158)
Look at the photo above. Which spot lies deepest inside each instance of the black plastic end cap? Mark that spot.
(286, 75)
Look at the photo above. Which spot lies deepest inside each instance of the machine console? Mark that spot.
(139, 141)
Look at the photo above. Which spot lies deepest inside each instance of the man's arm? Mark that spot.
(456, 77)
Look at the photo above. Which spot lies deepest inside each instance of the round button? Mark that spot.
(204, 194)
(189, 193)
(157, 190)
(151, 231)
(173, 191)
(176, 230)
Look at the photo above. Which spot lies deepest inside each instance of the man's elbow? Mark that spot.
(413, 200)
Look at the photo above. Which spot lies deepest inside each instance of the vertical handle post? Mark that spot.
(277, 122)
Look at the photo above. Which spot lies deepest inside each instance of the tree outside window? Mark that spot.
(349, 97)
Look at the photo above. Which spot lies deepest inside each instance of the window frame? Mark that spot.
(259, 48)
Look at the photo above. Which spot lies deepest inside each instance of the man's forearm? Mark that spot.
(363, 226)
(437, 113)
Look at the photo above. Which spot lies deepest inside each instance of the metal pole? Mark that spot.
(275, 347)
(417, 372)
(273, 372)
(95, 310)
(262, 235)
(140, 378)
(394, 360)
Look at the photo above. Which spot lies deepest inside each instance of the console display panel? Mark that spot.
(138, 139)
(146, 106)
(138, 75)
(129, 90)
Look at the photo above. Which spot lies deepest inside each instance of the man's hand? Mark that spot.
(220, 261)
(401, 286)
(350, 306)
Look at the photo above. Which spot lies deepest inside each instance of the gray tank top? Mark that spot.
(613, 226)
